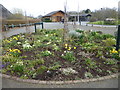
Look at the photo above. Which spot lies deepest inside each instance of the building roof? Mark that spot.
(51, 13)
(83, 15)
(5, 13)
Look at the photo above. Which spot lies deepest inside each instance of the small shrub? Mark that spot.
(109, 42)
(110, 61)
(55, 67)
(41, 69)
(69, 56)
(18, 67)
(37, 62)
(46, 53)
(88, 75)
(68, 71)
(14, 52)
(90, 63)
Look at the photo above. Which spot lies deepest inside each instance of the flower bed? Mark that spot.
(44, 56)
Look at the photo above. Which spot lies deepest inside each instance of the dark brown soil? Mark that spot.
(79, 65)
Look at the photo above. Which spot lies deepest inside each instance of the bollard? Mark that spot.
(118, 38)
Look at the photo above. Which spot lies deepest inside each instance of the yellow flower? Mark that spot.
(7, 41)
(69, 48)
(10, 54)
(18, 36)
(15, 38)
(14, 50)
(74, 47)
(10, 50)
(66, 45)
(54, 33)
(113, 51)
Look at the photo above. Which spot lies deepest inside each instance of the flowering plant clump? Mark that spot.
(46, 53)
(14, 52)
(8, 41)
(15, 38)
(113, 51)
(68, 47)
(18, 67)
(68, 55)
(115, 54)
(26, 46)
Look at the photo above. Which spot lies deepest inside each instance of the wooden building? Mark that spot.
(55, 16)
(74, 16)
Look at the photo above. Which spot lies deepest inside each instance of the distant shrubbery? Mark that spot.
(105, 22)
(47, 20)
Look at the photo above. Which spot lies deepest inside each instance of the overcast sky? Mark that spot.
(42, 7)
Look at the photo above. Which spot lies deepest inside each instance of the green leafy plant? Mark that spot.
(110, 61)
(18, 67)
(109, 42)
(69, 56)
(88, 75)
(37, 62)
(55, 47)
(68, 71)
(46, 53)
(90, 63)
(7, 58)
(55, 67)
(41, 69)
(14, 52)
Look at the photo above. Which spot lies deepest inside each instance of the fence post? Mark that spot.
(118, 38)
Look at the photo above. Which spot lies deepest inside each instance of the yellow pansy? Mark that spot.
(14, 50)
(66, 45)
(113, 51)
(10, 50)
(74, 47)
(69, 48)
(7, 41)
(15, 38)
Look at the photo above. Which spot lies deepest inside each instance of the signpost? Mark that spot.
(38, 24)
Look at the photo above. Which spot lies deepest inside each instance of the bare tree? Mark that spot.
(16, 14)
(27, 22)
(65, 33)
(104, 13)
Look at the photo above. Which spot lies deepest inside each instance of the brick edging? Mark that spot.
(59, 82)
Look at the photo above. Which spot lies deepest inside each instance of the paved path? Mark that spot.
(111, 83)
(107, 30)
